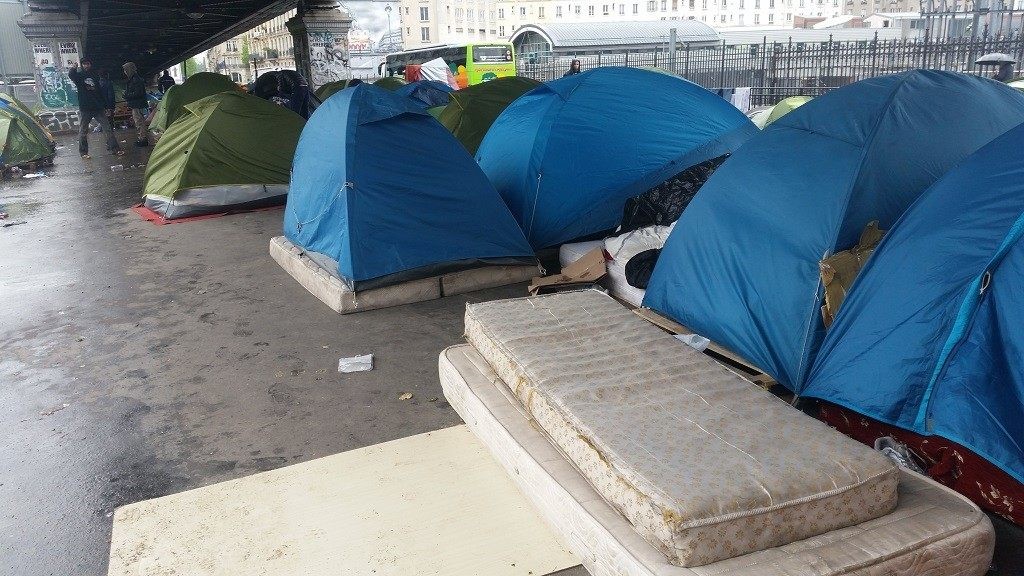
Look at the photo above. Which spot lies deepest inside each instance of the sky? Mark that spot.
(370, 15)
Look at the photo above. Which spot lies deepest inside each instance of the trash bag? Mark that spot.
(664, 203)
(640, 267)
(287, 88)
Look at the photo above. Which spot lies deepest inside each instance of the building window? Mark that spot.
(540, 12)
(691, 4)
(757, 19)
(757, 4)
(622, 9)
(501, 30)
(425, 34)
(771, 3)
(636, 8)
(236, 77)
(424, 13)
(590, 10)
(723, 18)
(724, 4)
(789, 16)
(501, 12)
(704, 5)
(771, 17)
(522, 10)
(604, 9)
(664, 5)
(741, 20)
(675, 5)
(577, 9)
(651, 6)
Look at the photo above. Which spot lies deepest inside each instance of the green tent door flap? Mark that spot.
(228, 151)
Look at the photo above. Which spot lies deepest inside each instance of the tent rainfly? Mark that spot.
(741, 265)
(229, 150)
(199, 85)
(22, 140)
(568, 154)
(472, 110)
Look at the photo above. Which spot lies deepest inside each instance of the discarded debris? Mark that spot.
(406, 396)
(432, 399)
(54, 410)
(4, 215)
(117, 168)
(15, 223)
(356, 363)
(698, 343)
(34, 175)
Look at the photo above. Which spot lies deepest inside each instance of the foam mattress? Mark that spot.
(703, 464)
(932, 532)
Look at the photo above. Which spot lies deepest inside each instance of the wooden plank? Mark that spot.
(436, 503)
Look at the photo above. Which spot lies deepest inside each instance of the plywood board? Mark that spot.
(436, 503)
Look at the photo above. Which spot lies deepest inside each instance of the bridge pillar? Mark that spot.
(57, 35)
(320, 31)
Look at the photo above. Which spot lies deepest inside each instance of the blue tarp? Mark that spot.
(428, 93)
(741, 265)
(567, 155)
(923, 341)
(385, 190)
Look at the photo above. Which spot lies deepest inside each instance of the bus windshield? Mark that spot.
(497, 53)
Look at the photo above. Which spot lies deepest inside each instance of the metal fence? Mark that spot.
(24, 92)
(776, 70)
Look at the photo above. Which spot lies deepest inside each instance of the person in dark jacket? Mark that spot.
(165, 82)
(109, 99)
(574, 68)
(91, 104)
(135, 96)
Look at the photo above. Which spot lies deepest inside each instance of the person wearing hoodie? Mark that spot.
(91, 105)
(135, 96)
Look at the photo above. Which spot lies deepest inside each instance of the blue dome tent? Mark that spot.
(567, 155)
(383, 189)
(741, 265)
(428, 93)
(929, 339)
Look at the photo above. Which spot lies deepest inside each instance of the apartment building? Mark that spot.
(228, 59)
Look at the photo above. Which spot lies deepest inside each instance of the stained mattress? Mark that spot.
(932, 532)
(703, 464)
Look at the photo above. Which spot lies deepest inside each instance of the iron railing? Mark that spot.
(775, 70)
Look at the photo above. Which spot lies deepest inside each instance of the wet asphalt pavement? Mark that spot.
(138, 361)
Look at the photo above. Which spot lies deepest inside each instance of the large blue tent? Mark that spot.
(381, 187)
(930, 337)
(741, 265)
(567, 155)
(428, 93)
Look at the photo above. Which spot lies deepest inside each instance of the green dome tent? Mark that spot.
(472, 110)
(327, 90)
(159, 121)
(230, 150)
(759, 116)
(24, 109)
(785, 107)
(197, 86)
(21, 138)
(390, 82)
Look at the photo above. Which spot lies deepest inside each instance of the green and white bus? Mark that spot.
(469, 63)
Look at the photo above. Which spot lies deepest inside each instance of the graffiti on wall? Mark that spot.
(328, 57)
(60, 120)
(55, 89)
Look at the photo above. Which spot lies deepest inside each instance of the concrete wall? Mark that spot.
(15, 49)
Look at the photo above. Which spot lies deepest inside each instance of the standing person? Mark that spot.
(165, 82)
(109, 100)
(574, 69)
(91, 104)
(135, 96)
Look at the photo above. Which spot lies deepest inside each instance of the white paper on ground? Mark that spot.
(698, 343)
(356, 363)
(435, 503)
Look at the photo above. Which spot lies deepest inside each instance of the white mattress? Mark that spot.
(705, 465)
(933, 531)
(614, 281)
(325, 284)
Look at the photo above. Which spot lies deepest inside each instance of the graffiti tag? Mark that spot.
(60, 120)
(328, 58)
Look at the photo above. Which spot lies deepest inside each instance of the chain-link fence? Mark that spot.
(776, 70)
